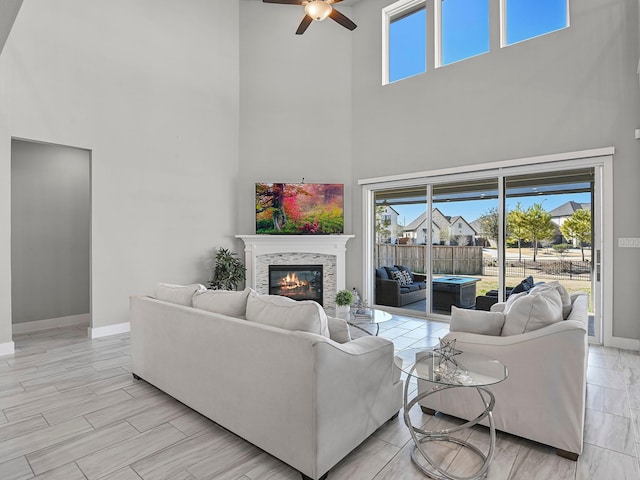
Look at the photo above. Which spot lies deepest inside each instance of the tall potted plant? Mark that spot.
(228, 271)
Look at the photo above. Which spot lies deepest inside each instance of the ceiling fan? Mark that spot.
(317, 10)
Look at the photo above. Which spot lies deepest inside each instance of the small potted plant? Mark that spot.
(344, 299)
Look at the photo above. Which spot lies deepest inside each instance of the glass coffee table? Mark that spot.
(447, 368)
(369, 321)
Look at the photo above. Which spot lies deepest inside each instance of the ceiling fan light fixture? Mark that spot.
(318, 9)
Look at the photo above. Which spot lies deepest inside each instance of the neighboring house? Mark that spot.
(560, 214)
(388, 220)
(461, 231)
(444, 230)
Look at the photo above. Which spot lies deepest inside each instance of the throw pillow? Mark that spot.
(283, 312)
(339, 329)
(399, 277)
(407, 277)
(529, 312)
(226, 302)
(476, 321)
(404, 268)
(564, 296)
(180, 294)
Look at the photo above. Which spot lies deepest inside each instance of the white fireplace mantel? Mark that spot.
(258, 245)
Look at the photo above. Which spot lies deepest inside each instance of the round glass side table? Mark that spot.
(448, 368)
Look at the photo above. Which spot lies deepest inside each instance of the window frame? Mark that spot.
(390, 13)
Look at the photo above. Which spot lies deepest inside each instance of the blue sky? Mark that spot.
(465, 31)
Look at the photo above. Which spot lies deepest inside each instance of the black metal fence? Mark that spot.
(541, 269)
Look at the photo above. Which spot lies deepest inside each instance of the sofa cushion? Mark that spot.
(382, 273)
(528, 312)
(226, 302)
(523, 286)
(390, 271)
(476, 321)
(180, 294)
(283, 312)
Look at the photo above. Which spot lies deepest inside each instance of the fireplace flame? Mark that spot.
(291, 282)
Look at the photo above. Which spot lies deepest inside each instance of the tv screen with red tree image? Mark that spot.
(299, 208)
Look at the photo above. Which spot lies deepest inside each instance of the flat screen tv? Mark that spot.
(299, 208)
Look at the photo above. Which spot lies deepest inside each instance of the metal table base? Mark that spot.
(422, 437)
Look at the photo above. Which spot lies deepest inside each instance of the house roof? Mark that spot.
(413, 225)
(569, 208)
(459, 218)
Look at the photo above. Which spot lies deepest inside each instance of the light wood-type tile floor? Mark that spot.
(70, 409)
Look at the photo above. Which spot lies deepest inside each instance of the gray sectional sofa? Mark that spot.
(242, 360)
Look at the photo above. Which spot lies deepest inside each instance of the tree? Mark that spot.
(382, 224)
(578, 227)
(517, 227)
(538, 225)
(489, 224)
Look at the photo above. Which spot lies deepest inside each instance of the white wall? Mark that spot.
(50, 231)
(571, 90)
(295, 104)
(151, 88)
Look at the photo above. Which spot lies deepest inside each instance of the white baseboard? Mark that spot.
(7, 348)
(623, 343)
(49, 323)
(109, 330)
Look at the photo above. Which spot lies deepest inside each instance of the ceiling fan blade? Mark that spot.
(304, 24)
(284, 2)
(333, 1)
(342, 19)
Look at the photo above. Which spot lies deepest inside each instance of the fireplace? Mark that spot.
(298, 282)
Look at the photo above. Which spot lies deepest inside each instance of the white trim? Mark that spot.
(389, 13)
(623, 343)
(480, 167)
(109, 330)
(7, 348)
(503, 23)
(49, 323)
(607, 249)
(437, 34)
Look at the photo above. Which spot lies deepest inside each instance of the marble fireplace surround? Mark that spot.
(260, 251)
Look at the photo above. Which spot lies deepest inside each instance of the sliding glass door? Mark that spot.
(464, 243)
(469, 242)
(550, 231)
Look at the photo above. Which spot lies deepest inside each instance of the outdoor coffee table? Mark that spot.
(447, 368)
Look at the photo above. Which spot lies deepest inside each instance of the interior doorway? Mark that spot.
(50, 235)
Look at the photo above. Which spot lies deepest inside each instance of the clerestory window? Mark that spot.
(525, 19)
(464, 29)
(407, 41)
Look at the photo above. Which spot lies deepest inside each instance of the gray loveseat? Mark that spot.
(391, 292)
(303, 397)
